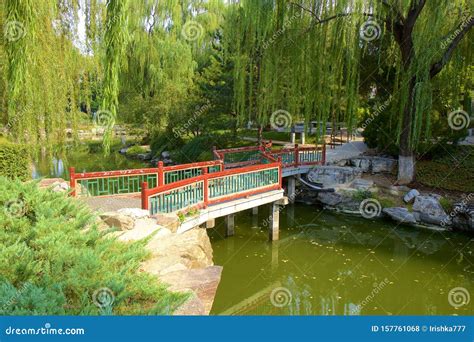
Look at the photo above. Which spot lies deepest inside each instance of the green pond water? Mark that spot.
(331, 264)
(85, 158)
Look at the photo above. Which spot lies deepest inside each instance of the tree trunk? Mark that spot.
(260, 134)
(406, 159)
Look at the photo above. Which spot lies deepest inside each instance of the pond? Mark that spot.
(331, 264)
(86, 157)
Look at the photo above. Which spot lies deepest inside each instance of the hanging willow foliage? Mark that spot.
(305, 57)
(45, 71)
(115, 41)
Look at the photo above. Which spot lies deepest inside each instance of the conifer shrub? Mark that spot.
(55, 261)
(14, 160)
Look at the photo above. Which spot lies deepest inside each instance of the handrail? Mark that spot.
(203, 188)
(159, 174)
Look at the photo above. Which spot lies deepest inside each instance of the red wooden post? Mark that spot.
(280, 171)
(206, 186)
(144, 196)
(324, 155)
(72, 180)
(297, 155)
(160, 174)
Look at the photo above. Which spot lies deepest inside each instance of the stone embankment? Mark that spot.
(358, 192)
(182, 261)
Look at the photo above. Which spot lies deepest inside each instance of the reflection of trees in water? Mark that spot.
(402, 240)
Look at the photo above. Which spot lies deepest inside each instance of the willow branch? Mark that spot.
(461, 30)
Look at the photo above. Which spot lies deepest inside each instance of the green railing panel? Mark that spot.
(242, 156)
(177, 199)
(232, 184)
(286, 157)
(115, 185)
(177, 175)
(309, 156)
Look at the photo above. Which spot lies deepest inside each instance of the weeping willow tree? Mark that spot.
(45, 71)
(305, 57)
(168, 41)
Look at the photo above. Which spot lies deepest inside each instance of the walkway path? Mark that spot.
(345, 151)
(105, 204)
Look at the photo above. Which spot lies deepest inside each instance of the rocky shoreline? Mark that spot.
(182, 261)
(358, 190)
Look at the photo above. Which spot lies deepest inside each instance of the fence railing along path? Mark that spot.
(236, 173)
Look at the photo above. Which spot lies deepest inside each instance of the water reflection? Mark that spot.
(340, 265)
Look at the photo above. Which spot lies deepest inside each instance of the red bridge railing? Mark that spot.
(106, 183)
(212, 188)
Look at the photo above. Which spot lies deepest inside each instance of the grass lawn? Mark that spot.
(451, 171)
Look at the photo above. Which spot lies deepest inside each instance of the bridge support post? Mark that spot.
(274, 227)
(229, 221)
(291, 189)
(210, 223)
(255, 217)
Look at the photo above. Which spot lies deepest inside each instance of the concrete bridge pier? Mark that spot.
(274, 226)
(230, 224)
(291, 189)
(255, 217)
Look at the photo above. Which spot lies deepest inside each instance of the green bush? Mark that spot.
(14, 160)
(54, 260)
(135, 150)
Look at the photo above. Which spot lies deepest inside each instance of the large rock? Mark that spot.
(380, 164)
(410, 195)
(202, 282)
(362, 184)
(135, 213)
(117, 220)
(442, 221)
(400, 214)
(54, 184)
(169, 221)
(330, 176)
(429, 205)
(374, 164)
(192, 249)
(330, 198)
(343, 200)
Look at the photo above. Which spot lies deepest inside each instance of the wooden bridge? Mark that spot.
(238, 179)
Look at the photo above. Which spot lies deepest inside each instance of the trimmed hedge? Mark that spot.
(14, 161)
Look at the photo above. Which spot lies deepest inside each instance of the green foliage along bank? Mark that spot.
(14, 160)
(54, 260)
